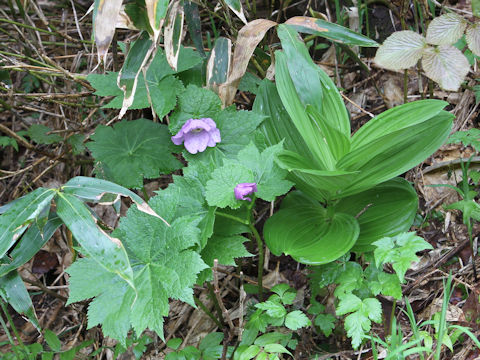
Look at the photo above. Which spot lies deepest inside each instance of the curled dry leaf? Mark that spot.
(248, 38)
(401, 50)
(105, 21)
(473, 38)
(446, 29)
(174, 32)
(445, 65)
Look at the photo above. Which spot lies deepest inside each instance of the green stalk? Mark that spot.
(202, 306)
(14, 329)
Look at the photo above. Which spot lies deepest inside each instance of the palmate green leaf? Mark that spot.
(164, 267)
(159, 77)
(296, 320)
(185, 196)
(8, 141)
(251, 166)
(359, 322)
(400, 251)
(14, 221)
(194, 103)
(267, 174)
(13, 291)
(109, 252)
(133, 150)
(326, 323)
(220, 189)
(310, 236)
(385, 210)
(224, 248)
(39, 134)
(394, 153)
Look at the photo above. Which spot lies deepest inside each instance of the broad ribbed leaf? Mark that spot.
(303, 71)
(313, 85)
(473, 38)
(329, 181)
(310, 132)
(401, 50)
(278, 126)
(308, 235)
(446, 65)
(385, 210)
(13, 291)
(395, 119)
(338, 143)
(106, 250)
(446, 29)
(395, 153)
(32, 241)
(329, 31)
(15, 220)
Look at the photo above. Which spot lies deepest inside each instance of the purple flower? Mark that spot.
(197, 134)
(243, 189)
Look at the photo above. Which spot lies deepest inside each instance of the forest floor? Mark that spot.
(44, 59)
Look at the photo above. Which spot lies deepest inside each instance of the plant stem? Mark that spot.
(261, 258)
(232, 217)
(12, 325)
(202, 306)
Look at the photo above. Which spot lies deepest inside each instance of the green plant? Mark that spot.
(442, 62)
(348, 185)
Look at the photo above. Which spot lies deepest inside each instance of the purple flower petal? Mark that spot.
(197, 134)
(244, 189)
(196, 142)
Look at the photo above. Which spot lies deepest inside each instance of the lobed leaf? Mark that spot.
(133, 150)
(401, 50)
(446, 65)
(446, 29)
(472, 36)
